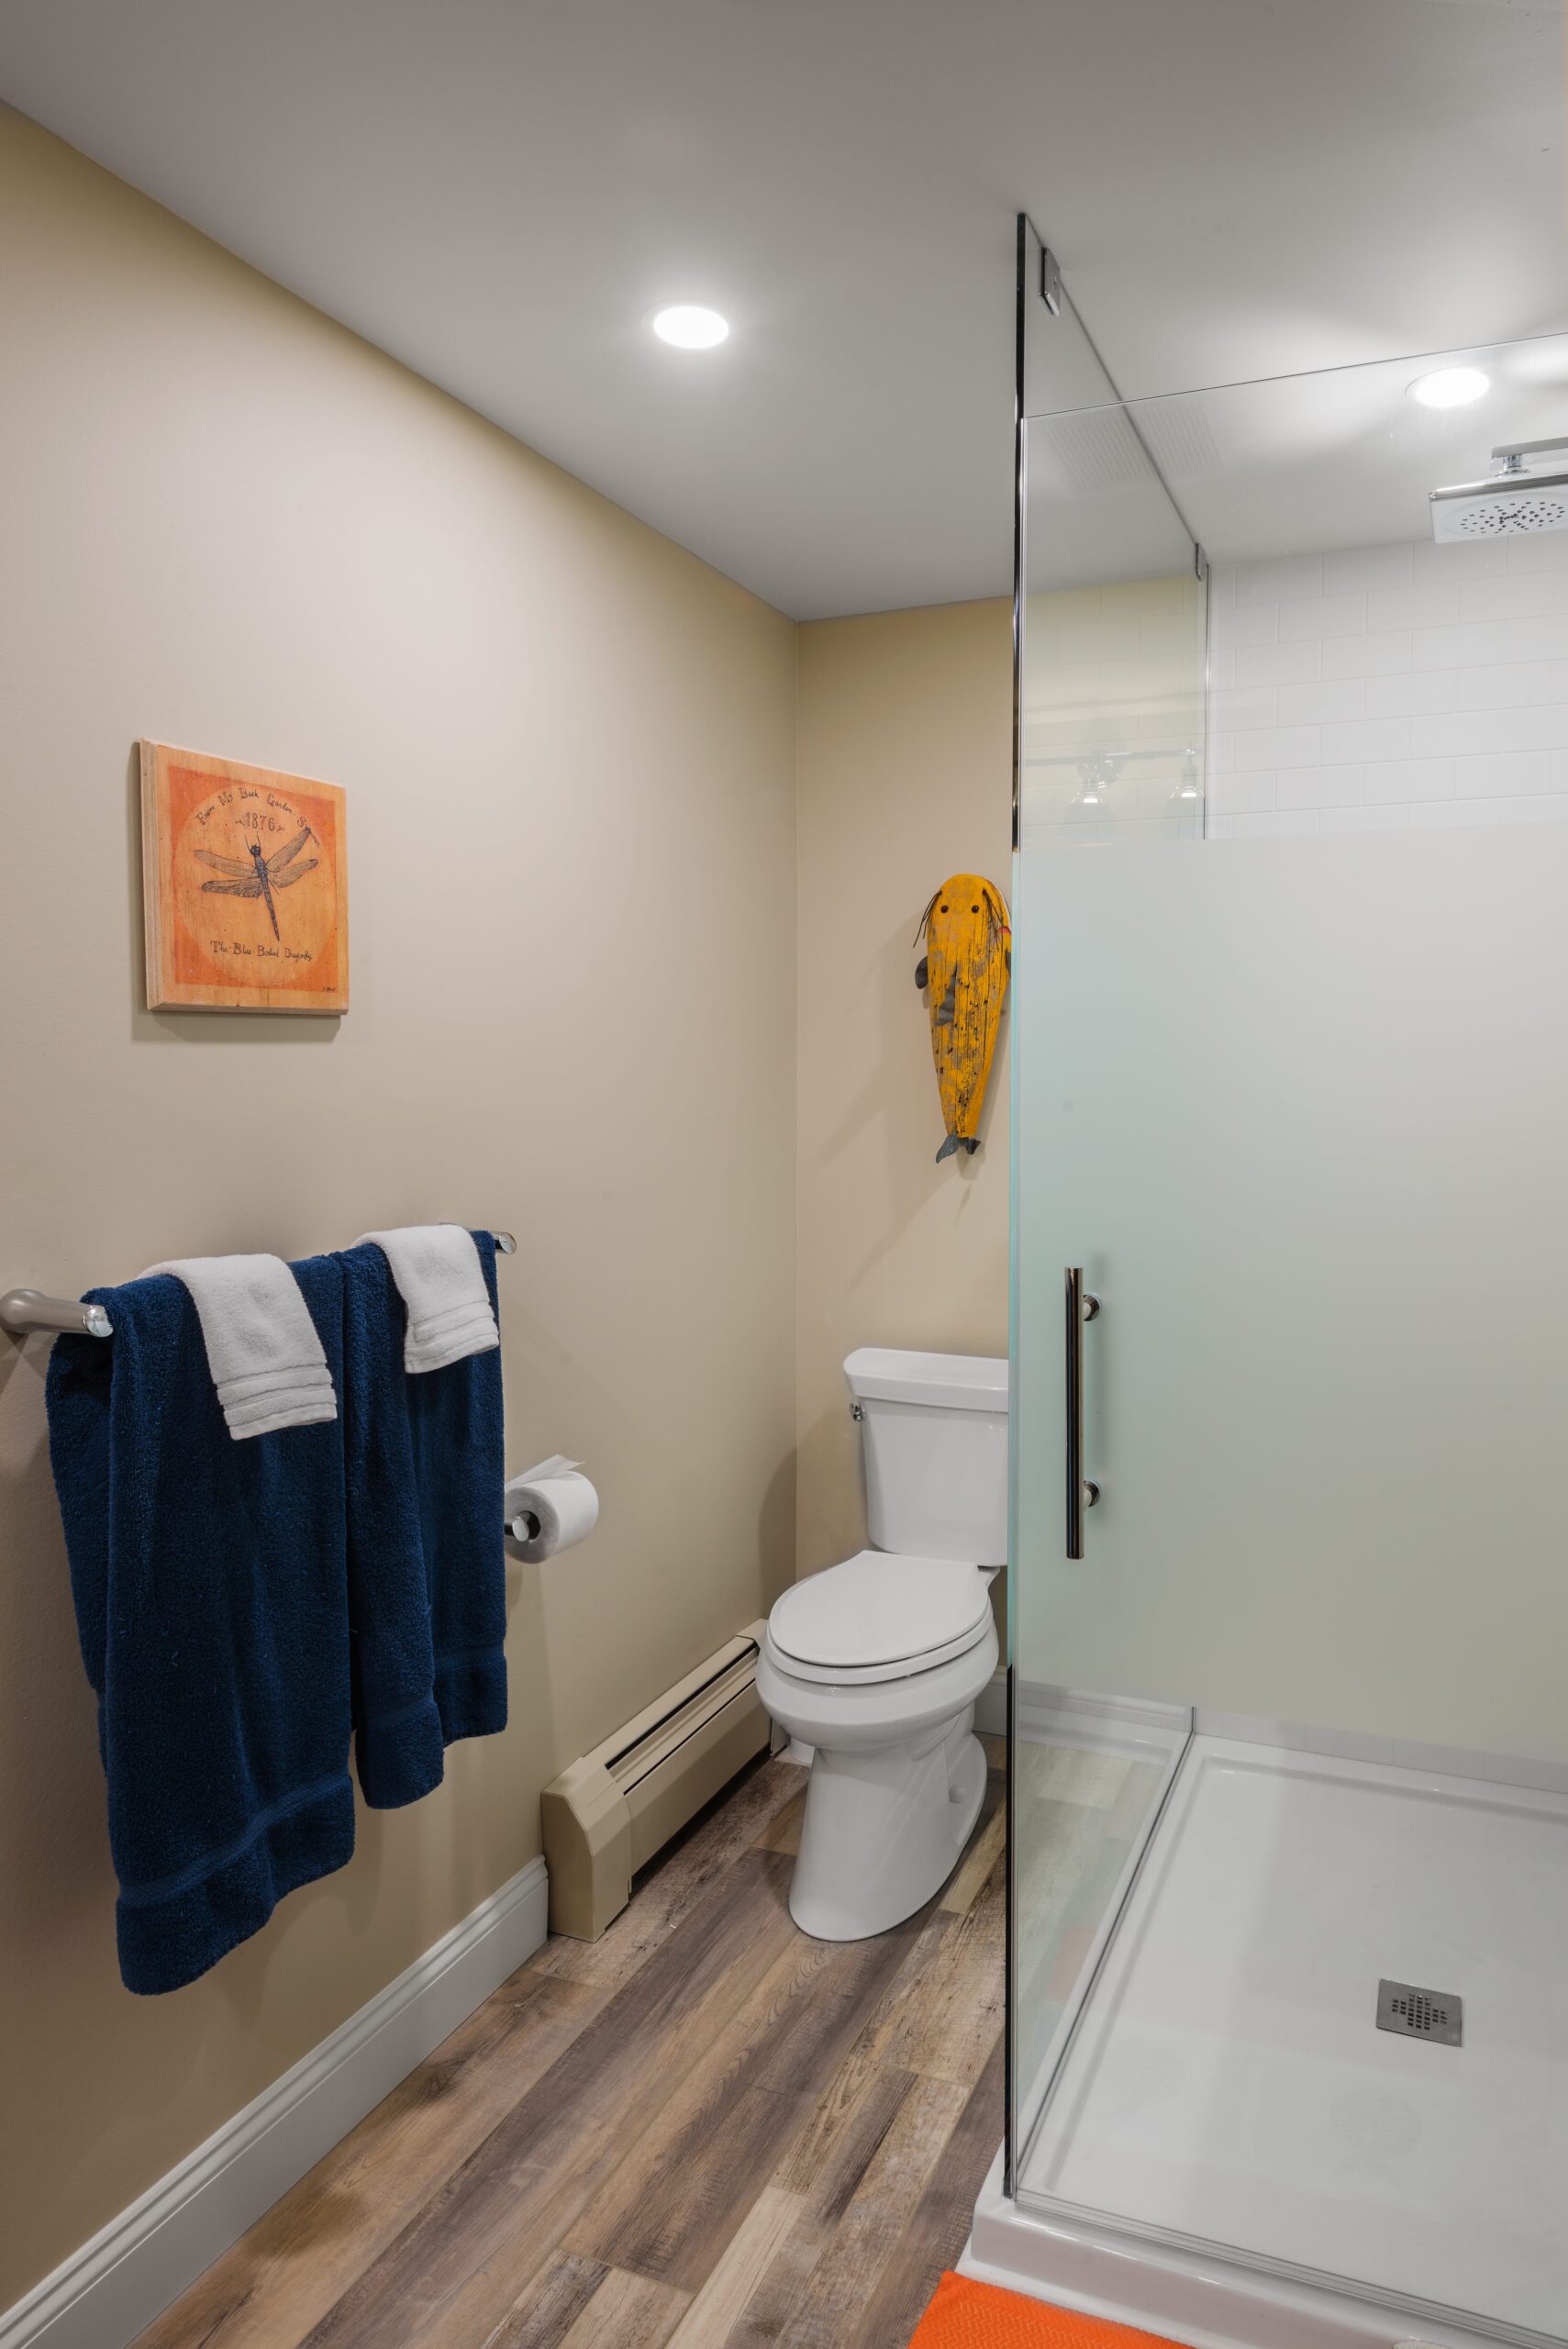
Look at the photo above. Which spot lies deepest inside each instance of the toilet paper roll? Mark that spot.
(550, 1508)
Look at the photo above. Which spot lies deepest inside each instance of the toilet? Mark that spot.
(876, 1663)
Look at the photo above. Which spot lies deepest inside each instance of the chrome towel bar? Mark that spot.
(24, 1311)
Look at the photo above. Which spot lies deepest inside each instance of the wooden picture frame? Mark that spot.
(245, 887)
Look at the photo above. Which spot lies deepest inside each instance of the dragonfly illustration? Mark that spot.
(263, 874)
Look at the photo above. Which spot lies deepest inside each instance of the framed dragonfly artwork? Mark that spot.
(245, 885)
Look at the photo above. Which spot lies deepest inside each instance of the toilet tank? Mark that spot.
(934, 1440)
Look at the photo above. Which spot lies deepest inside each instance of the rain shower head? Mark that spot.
(1513, 501)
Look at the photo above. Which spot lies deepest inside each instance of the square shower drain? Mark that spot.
(1420, 2014)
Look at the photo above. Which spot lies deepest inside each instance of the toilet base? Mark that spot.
(883, 1830)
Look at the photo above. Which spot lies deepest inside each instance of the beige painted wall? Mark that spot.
(904, 776)
(230, 524)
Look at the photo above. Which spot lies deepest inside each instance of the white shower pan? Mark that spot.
(1233, 2153)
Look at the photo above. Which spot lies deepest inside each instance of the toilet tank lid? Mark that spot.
(945, 1382)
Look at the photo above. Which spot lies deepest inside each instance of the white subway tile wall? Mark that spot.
(1388, 687)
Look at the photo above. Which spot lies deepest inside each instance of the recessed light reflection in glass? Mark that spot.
(1451, 387)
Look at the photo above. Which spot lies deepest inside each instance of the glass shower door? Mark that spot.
(1111, 717)
(1290, 1729)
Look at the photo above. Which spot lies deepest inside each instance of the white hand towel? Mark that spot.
(262, 1347)
(441, 1282)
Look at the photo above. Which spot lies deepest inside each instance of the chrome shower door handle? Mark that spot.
(1079, 1307)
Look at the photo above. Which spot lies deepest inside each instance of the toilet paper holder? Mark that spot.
(550, 1507)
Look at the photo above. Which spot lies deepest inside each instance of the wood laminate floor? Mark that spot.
(702, 2132)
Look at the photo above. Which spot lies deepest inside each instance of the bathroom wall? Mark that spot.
(1391, 688)
(904, 776)
(568, 748)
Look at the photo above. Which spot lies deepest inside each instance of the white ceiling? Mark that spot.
(497, 191)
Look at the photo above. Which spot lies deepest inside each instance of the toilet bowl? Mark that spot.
(897, 1775)
(875, 1663)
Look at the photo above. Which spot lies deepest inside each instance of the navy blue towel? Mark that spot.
(399, 1750)
(208, 1578)
(426, 1557)
(459, 1472)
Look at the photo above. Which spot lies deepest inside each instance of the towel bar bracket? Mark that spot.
(24, 1311)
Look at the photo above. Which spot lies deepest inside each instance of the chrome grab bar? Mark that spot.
(1081, 1307)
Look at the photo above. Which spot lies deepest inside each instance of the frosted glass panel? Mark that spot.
(1300, 1109)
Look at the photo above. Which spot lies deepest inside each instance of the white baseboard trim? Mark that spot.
(104, 2295)
(1120, 1721)
(1047, 1712)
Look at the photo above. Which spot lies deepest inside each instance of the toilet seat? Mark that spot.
(878, 1616)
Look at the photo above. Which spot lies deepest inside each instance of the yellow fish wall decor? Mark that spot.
(966, 965)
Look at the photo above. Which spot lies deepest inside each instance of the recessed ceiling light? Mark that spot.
(1451, 387)
(690, 326)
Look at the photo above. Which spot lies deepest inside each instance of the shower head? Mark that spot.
(1513, 501)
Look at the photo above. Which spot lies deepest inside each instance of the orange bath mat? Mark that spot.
(966, 2315)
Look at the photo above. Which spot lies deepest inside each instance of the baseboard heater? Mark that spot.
(607, 1814)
